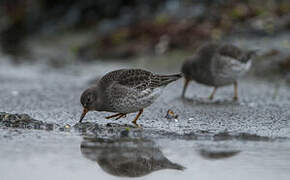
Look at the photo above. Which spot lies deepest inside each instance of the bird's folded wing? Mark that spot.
(229, 67)
(141, 80)
(136, 79)
(230, 51)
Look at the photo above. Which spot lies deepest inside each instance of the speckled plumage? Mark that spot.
(217, 65)
(126, 90)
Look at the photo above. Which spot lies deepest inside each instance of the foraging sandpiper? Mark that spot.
(125, 91)
(217, 65)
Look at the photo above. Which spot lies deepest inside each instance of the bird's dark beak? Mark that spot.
(186, 81)
(83, 114)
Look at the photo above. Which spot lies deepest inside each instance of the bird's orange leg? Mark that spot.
(137, 117)
(119, 115)
(236, 96)
(186, 82)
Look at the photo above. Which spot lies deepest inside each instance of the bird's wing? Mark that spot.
(227, 66)
(230, 51)
(131, 78)
(234, 52)
(141, 79)
(127, 82)
(136, 79)
(232, 61)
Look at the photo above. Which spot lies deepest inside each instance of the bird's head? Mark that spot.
(252, 53)
(187, 69)
(90, 101)
(249, 55)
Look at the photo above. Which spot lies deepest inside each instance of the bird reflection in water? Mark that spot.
(214, 154)
(126, 157)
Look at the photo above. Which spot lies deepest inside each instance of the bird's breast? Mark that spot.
(231, 72)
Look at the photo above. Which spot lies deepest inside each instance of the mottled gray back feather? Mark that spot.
(139, 79)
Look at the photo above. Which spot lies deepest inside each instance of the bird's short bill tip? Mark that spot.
(85, 110)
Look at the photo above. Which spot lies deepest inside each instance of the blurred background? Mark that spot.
(61, 32)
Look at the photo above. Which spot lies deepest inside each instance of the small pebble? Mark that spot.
(125, 133)
(67, 126)
(170, 115)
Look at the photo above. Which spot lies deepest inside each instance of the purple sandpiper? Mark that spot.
(217, 65)
(125, 91)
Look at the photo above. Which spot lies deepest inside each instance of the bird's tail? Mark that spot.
(170, 165)
(176, 166)
(163, 80)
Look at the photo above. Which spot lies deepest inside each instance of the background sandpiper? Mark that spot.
(217, 65)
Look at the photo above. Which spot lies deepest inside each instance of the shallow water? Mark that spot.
(32, 154)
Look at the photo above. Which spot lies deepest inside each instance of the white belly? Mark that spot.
(231, 72)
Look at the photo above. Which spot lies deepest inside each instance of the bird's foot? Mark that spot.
(136, 125)
(235, 98)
